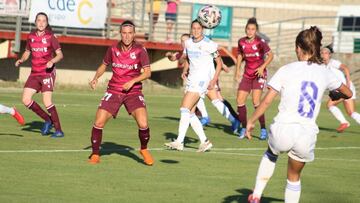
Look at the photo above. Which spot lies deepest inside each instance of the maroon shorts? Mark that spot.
(112, 102)
(41, 83)
(247, 84)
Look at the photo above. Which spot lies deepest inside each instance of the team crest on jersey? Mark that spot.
(254, 47)
(132, 55)
(43, 40)
(117, 53)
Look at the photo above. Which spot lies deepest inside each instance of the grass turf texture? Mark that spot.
(226, 174)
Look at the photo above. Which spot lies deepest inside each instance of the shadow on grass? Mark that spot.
(108, 148)
(33, 126)
(243, 194)
(333, 130)
(12, 134)
(169, 136)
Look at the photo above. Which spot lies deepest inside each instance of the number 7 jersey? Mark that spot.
(301, 86)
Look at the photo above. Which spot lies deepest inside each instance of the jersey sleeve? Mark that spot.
(108, 57)
(144, 58)
(264, 46)
(276, 82)
(28, 48)
(55, 43)
(333, 81)
(239, 49)
(336, 64)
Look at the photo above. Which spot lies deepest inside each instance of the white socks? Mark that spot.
(197, 127)
(337, 114)
(185, 119)
(184, 124)
(356, 117)
(292, 192)
(202, 108)
(5, 109)
(265, 171)
(220, 106)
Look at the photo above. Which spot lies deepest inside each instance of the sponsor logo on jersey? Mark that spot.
(117, 53)
(125, 66)
(32, 39)
(39, 49)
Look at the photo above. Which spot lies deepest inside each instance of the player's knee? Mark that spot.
(270, 155)
(26, 101)
(143, 125)
(99, 123)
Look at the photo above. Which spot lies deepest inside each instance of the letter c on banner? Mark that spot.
(82, 4)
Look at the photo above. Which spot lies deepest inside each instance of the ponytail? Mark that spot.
(309, 41)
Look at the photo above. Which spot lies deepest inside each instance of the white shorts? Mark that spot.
(197, 86)
(295, 139)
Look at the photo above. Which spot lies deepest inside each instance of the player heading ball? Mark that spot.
(130, 65)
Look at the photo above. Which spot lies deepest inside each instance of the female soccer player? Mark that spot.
(257, 56)
(342, 71)
(12, 111)
(301, 85)
(220, 103)
(130, 65)
(41, 44)
(202, 77)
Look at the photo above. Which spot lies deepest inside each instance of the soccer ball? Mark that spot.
(209, 16)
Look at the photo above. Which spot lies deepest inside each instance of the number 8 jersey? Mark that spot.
(301, 86)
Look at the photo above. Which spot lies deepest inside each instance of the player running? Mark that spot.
(41, 45)
(13, 112)
(342, 71)
(257, 55)
(202, 77)
(301, 86)
(130, 65)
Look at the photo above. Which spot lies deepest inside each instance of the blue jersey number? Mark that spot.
(309, 94)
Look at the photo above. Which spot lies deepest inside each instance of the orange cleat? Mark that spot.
(19, 118)
(94, 159)
(342, 127)
(147, 157)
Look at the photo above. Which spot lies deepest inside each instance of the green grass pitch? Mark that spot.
(37, 168)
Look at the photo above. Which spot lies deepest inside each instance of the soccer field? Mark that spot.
(37, 168)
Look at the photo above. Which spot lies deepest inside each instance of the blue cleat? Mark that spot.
(57, 134)
(242, 133)
(235, 126)
(45, 130)
(205, 121)
(263, 134)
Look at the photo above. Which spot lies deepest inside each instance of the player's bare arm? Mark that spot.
(59, 55)
(238, 67)
(99, 72)
(260, 71)
(217, 72)
(260, 110)
(143, 76)
(23, 58)
(185, 70)
(346, 71)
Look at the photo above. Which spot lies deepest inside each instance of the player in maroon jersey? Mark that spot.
(130, 65)
(257, 56)
(41, 45)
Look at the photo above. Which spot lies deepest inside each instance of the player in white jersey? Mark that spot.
(301, 86)
(343, 73)
(202, 76)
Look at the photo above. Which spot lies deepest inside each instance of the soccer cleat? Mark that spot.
(57, 134)
(252, 199)
(342, 127)
(263, 134)
(205, 121)
(175, 145)
(148, 160)
(235, 126)
(19, 118)
(94, 159)
(242, 133)
(203, 147)
(45, 130)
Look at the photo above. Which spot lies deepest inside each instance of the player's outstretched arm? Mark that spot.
(185, 70)
(343, 92)
(143, 76)
(265, 103)
(23, 58)
(57, 58)
(99, 72)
